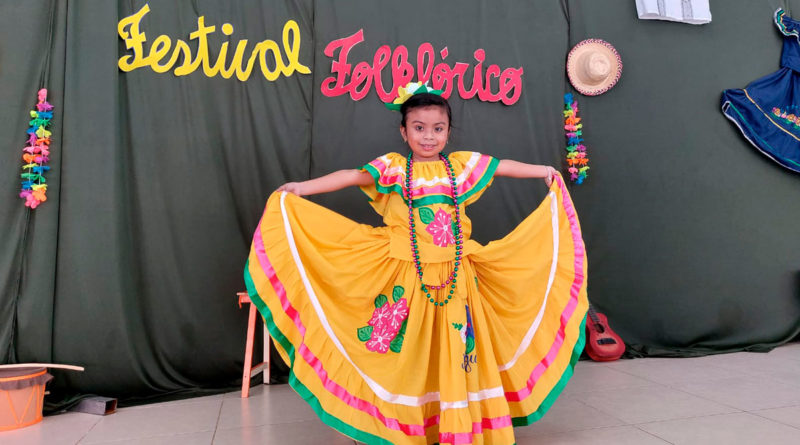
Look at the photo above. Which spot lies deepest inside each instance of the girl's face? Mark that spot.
(426, 132)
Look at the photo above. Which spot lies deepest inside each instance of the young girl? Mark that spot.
(411, 332)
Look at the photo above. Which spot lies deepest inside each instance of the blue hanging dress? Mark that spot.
(767, 111)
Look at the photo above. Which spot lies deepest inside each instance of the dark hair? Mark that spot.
(425, 100)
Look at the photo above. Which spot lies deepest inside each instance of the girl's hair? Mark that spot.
(425, 100)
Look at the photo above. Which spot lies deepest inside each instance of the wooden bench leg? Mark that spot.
(248, 351)
(249, 370)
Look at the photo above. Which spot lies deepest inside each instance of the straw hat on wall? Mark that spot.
(593, 67)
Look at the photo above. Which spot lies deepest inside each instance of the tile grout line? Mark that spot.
(777, 380)
(653, 435)
(216, 425)
(668, 386)
(594, 428)
(774, 420)
(772, 380)
(163, 434)
(625, 422)
(270, 424)
(609, 368)
(633, 375)
(128, 439)
(89, 430)
(592, 391)
(252, 398)
(592, 407)
(671, 385)
(687, 418)
(706, 399)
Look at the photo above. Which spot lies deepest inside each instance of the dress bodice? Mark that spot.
(434, 212)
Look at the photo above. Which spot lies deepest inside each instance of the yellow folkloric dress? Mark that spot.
(374, 357)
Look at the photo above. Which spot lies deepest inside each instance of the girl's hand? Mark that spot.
(551, 172)
(291, 187)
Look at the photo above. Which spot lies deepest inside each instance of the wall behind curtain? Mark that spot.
(692, 232)
(131, 266)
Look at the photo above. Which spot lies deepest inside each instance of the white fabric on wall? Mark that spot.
(696, 12)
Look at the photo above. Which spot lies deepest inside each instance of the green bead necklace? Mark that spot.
(451, 280)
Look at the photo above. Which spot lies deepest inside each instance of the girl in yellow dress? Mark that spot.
(411, 333)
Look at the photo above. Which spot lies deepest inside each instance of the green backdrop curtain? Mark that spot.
(131, 266)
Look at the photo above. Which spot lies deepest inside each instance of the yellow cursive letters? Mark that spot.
(265, 51)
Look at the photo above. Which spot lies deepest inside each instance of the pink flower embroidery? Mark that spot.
(381, 316)
(441, 230)
(398, 314)
(380, 339)
(386, 322)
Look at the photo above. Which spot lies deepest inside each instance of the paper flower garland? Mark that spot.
(37, 154)
(577, 160)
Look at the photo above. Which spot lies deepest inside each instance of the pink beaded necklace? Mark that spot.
(451, 280)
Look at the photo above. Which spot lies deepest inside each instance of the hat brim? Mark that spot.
(584, 85)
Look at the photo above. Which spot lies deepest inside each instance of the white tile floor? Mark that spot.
(731, 399)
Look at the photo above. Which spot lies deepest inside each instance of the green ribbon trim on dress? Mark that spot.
(294, 382)
(432, 199)
(562, 382)
(363, 436)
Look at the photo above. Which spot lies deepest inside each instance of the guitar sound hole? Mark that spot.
(606, 341)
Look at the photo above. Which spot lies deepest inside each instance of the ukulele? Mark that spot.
(603, 345)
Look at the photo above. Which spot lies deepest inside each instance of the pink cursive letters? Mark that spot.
(358, 80)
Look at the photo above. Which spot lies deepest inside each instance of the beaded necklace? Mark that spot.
(451, 280)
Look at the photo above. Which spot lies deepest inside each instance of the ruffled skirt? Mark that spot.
(766, 113)
(380, 363)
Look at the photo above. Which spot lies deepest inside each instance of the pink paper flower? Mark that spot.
(380, 339)
(441, 230)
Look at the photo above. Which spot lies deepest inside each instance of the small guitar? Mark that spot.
(603, 344)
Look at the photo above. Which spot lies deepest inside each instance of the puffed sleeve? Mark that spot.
(786, 25)
(387, 173)
(474, 174)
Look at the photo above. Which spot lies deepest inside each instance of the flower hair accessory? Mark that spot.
(412, 88)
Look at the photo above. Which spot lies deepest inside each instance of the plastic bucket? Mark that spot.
(21, 396)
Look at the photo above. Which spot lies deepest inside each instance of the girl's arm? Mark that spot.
(328, 183)
(514, 169)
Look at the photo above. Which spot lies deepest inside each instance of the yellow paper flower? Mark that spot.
(42, 133)
(403, 93)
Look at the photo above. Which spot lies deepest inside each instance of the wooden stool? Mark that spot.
(249, 369)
